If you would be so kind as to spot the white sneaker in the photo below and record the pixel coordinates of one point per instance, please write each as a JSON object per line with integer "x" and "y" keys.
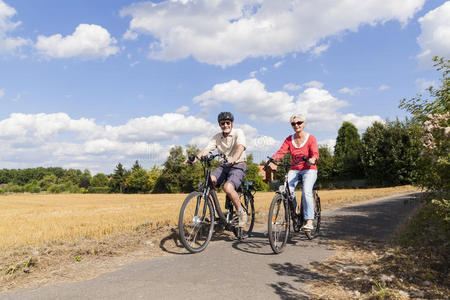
{"x": 242, "y": 218}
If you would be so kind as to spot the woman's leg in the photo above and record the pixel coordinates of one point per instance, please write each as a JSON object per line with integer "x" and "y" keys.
{"x": 309, "y": 178}
{"x": 292, "y": 181}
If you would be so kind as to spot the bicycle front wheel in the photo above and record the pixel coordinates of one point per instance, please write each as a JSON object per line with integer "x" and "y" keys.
{"x": 196, "y": 222}
{"x": 278, "y": 224}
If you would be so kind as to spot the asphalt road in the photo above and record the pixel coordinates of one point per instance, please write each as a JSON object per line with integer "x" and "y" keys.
{"x": 229, "y": 269}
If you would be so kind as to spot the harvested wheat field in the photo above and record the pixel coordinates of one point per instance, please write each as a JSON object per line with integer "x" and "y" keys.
{"x": 29, "y": 219}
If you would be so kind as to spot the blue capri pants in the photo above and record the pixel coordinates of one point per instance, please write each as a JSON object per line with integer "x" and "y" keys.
{"x": 308, "y": 179}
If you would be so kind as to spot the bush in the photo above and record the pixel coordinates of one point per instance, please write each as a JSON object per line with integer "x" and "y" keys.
{"x": 15, "y": 189}
{"x": 55, "y": 188}
{"x": 32, "y": 188}
{"x": 99, "y": 190}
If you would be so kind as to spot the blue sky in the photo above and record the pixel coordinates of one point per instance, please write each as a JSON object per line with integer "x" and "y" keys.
{"x": 86, "y": 84}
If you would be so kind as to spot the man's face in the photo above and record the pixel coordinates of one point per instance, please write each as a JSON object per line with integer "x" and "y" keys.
{"x": 226, "y": 126}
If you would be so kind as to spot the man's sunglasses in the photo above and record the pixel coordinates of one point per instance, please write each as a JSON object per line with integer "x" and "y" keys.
{"x": 225, "y": 123}
{"x": 297, "y": 123}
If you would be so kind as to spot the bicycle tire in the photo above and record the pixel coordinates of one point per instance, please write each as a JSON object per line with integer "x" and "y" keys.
{"x": 247, "y": 203}
{"x": 196, "y": 222}
{"x": 317, "y": 218}
{"x": 278, "y": 224}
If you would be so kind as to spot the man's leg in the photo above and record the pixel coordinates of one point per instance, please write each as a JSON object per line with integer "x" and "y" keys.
{"x": 228, "y": 187}
{"x": 234, "y": 180}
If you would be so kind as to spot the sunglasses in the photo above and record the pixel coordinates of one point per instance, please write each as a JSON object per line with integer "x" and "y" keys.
{"x": 225, "y": 123}
{"x": 298, "y": 123}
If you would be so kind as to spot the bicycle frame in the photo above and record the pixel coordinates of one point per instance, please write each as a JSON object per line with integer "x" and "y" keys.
{"x": 210, "y": 190}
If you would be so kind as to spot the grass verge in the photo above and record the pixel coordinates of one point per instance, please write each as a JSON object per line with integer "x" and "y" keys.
{"x": 415, "y": 264}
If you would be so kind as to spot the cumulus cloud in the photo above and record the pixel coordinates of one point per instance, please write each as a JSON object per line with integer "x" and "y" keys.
{"x": 225, "y": 32}
{"x": 88, "y": 41}
{"x": 435, "y": 36}
{"x": 56, "y": 139}
{"x": 9, "y": 44}
{"x": 251, "y": 98}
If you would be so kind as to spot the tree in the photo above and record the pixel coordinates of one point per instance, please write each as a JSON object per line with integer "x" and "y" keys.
{"x": 432, "y": 115}
{"x": 136, "y": 166}
{"x": 325, "y": 165}
{"x": 85, "y": 179}
{"x": 253, "y": 174}
{"x": 346, "y": 152}
{"x": 389, "y": 153}
{"x": 153, "y": 176}
{"x": 118, "y": 179}
{"x": 99, "y": 180}
{"x": 171, "y": 179}
{"x": 137, "y": 182}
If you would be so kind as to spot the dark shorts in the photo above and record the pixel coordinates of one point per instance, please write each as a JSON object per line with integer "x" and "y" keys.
{"x": 234, "y": 174}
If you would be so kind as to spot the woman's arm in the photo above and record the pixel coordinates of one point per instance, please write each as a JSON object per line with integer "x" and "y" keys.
{"x": 282, "y": 151}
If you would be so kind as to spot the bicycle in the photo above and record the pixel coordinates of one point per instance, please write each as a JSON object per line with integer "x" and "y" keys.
{"x": 282, "y": 211}
{"x": 201, "y": 210}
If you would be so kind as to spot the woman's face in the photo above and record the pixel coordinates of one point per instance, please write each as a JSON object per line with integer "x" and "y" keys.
{"x": 297, "y": 125}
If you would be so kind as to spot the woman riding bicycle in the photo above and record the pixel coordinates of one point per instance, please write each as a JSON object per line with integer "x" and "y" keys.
{"x": 301, "y": 144}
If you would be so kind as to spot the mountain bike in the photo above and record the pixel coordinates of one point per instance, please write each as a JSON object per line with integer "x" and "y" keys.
{"x": 201, "y": 210}
{"x": 282, "y": 211}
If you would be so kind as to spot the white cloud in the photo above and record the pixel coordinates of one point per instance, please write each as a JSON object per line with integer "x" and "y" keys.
{"x": 314, "y": 84}
{"x": 225, "y": 32}
{"x": 278, "y": 64}
{"x": 88, "y": 42}
{"x": 317, "y": 51}
{"x": 250, "y": 97}
{"x": 28, "y": 140}
{"x": 183, "y": 109}
{"x": 57, "y": 139}
{"x": 435, "y": 36}
{"x": 350, "y": 91}
{"x": 291, "y": 87}
{"x": 383, "y": 87}
{"x": 8, "y": 44}
{"x": 130, "y": 35}
{"x": 2, "y": 93}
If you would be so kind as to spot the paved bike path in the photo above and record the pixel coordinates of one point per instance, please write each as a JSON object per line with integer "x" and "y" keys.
{"x": 229, "y": 269}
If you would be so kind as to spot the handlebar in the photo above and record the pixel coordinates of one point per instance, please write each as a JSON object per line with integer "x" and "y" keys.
{"x": 271, "y": 160}
{"x": 207, "y": 158}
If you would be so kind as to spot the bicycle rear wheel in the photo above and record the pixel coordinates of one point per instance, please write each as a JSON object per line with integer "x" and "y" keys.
{"x": 196, "y": 222}
{"x": 278, "y": 224}
{"x": 317, "y": 218}
{"x": 248, "y": 205}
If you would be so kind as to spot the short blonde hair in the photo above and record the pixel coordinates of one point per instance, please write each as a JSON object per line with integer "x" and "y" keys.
{"x": 297, "y": 116}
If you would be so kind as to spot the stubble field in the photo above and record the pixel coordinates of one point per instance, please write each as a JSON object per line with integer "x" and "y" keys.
{"x": 32, "y": 220}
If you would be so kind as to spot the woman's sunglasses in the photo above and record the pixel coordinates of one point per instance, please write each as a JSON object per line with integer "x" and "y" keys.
{"x": 297, "y": 123}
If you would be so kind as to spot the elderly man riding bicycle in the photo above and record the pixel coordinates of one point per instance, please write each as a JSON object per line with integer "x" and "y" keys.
{"x": 231, "y": 142}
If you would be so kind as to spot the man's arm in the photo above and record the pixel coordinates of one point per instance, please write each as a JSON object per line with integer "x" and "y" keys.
{"x": 237, "y": 154}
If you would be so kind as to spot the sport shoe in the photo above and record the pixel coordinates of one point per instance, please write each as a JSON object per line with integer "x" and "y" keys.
{"x": 242, "y": 218}
{"x": 307, "y": 227}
